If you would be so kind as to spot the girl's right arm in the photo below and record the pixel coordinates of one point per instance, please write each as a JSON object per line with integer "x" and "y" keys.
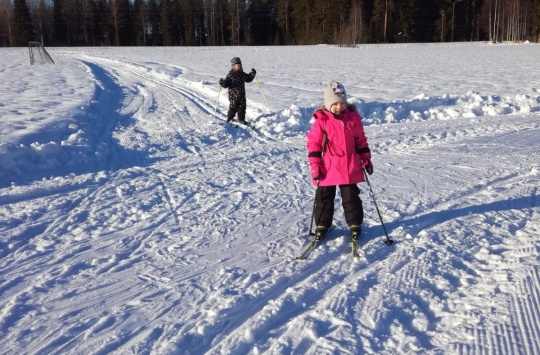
{"x": 314, "y": 138}
{"x": 227, "y": 81}
{"x": 314, "y": 148}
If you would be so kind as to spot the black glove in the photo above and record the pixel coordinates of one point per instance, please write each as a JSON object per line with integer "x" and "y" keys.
{"x": 317, "y": 171}
{"x": 369, "y": 168}
{"x": 253, "y": 71}
{"x": 221, "y": 82}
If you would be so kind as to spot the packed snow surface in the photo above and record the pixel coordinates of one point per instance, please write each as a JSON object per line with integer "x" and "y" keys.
{"x": 134, "y": 221}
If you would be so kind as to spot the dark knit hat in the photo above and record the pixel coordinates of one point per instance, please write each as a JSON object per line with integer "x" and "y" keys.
{"x": 236, "y": 60}
{"x": 334, "y": 93}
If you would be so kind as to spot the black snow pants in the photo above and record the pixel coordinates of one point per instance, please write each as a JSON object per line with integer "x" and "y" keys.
{"x": 237, "y": 105}
{"x": 352, "y": 205}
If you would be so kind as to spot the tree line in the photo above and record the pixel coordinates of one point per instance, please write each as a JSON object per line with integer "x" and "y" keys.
{"x": 264, "y": 22}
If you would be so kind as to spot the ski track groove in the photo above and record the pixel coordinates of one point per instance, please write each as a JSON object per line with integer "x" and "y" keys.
{"x": 315, "y": 299}
{"x": 527, "y": 311}
{"x": 200, "y": 104}
{"x": 55, "y": 228}
{"x": 256, "y": 309}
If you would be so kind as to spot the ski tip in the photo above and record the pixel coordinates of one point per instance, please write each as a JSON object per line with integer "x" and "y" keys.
{"x": 358, "y": 259}
{"x": 239, "y": 125}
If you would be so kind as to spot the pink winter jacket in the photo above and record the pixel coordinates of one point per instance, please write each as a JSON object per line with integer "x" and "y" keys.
{"x": 346, "y": 150}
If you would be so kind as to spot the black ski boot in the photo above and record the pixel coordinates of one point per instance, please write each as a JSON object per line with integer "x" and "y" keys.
{"x": 320, "y": 232}
{"x": 355, "y": 231}
{"x": 230, "y": 116}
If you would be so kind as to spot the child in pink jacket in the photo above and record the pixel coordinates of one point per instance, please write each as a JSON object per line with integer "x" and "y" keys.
{"x": 338, "y": 152}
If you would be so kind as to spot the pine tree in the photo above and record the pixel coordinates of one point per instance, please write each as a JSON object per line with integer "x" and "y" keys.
{"x": 126, "y": 23}
{"x": 102, "y": 28}
{"x": 200, "y": 24}
{"x": 6, "y": 22}
{"x": 261, "y": 22}
{"x": 237, "y": 22}
{"x": 121, "y": 22}
{"x": 211, "y": 23}
{"x": 224, "y": 23}
{"x": 284, "y": 20}
{"x": 382, "y": 19}
{"x": 176, "y": 22}
{"x": 154, "y": 18}
{"x": 68, "y": 22}
{"x": 140, "y": 23}
{"x": 22, "y": 25}
{"x": 88, "y": 18}
{"x": 336, "y": 17}
{"x": 42, "y": 21}
{"x": 404, "y": 25}
{"x": 536, "y": 21}
{"x": 59, "y": 24}
{"x": 189, "y": 18}
{"x": 425, "y": 20}
{"x": 355, "y": 26}
{"x": 166, "y": 23}
{"x": 302, "y": 19}
{"x": 323, "y": 31}
{"x": 115, "y": 19}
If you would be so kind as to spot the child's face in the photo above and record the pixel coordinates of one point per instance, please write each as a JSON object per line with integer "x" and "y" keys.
{"x": 338, "y": 108}
{"x": 237, "y": 67}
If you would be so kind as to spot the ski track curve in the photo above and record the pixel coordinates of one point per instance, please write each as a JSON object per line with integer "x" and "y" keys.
{"x": 140, "y": 255}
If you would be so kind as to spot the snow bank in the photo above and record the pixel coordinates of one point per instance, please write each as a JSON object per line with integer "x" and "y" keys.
{"x": 297, "y": 120}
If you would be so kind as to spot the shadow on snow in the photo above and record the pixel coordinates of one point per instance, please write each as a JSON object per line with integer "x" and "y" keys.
{"x": 59, "y": 150}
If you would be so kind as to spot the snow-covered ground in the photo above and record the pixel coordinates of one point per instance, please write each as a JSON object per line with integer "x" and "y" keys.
{"x": 132, "y": 220}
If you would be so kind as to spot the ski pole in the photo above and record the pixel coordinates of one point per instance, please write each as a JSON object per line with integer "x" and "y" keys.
{"x": 388, "y": 241}
{"x": 313, "y": 210}
{"x": 259, "y": 84}
{"x": 217, "y": 100}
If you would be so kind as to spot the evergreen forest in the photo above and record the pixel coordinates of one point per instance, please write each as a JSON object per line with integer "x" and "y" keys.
{"x": 264, "y": 22}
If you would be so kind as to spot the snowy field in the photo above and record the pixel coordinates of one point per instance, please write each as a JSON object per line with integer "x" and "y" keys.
{"x": 133, "y": 221}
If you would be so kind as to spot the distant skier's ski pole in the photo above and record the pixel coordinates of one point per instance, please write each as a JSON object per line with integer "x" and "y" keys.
{"x": 215, "y": 108}
{"x": 388, "y": 240}
{"x": 259, "y": 84}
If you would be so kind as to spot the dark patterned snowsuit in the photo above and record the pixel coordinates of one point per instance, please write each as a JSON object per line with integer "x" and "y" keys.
{"x": 235, "y": 82}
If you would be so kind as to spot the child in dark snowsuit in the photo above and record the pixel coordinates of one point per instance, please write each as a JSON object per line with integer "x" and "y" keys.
{"x": 338, "y": 152}
{"x": 235, "y": 82}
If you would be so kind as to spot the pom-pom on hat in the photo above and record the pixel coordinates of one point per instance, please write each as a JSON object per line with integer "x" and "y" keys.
{"x": 334, "y": 93}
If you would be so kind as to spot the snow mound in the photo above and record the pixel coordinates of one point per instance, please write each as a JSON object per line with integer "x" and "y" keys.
{"x": 297, "y": 120}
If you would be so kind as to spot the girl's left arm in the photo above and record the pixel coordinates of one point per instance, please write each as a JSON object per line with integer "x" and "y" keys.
{"x": 360, "y": 136}
{"x": 361, "y": 139}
